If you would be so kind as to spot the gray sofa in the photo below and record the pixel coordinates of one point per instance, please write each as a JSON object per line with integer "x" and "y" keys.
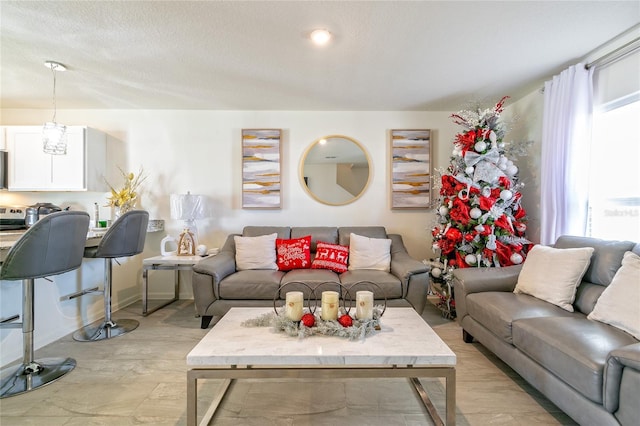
{"x": 588, "y": 369}
{"x": 218, "y": 286}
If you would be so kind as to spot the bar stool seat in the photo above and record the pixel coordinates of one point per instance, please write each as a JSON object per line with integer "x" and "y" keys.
{"x": 52, "y": 246}
{"x": 125, "y": 238}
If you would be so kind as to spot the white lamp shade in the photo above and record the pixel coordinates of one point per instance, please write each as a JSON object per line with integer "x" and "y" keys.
{"x": 54, "y": 138}
{"x": 187, "y": 206}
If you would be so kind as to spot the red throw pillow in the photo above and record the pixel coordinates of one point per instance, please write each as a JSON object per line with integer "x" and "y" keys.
{"x": 293, "y": 254}
{"x": 331, "y": 256}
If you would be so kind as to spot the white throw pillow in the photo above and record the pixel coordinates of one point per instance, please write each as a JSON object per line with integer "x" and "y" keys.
{"x": 369, "y": 253}
{"x": 256, "y": 252}
{"x": 619, "y": 303}
{"x": 553, "y": 274}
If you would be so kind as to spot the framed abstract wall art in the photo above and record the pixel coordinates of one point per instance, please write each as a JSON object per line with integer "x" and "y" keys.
{"x": 411, "y": 169}
{"x": 261, "y": 168}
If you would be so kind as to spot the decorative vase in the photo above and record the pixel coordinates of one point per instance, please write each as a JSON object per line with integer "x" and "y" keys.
{"x": 120, "y": 210}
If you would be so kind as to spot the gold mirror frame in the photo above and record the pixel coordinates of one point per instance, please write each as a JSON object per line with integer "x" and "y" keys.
{"x": 334, "y": 151}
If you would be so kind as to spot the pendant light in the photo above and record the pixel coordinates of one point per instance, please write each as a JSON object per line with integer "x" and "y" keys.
{"x": 54, "y": 135}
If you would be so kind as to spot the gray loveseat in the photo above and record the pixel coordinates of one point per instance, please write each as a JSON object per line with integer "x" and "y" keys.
{"x": 218, "y": 286}
{"x": 589, "y": 369}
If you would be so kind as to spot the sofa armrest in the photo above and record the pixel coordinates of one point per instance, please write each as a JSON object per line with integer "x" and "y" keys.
{"x": 218, "y": 266}
{"x": 221, "y": 265}
{"x": 622, "y": 382}
{"x": 404, "y": 266}
{"x": 476, "y": 280}
{"x": 205, "y": 281}
{"x": 207, "y": 275}
{"x": 413, "y": 274}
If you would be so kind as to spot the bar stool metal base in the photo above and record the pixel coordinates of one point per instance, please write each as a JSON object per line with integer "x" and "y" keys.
{"x": 105, "y": 330}
{"x": 41, "y": 372}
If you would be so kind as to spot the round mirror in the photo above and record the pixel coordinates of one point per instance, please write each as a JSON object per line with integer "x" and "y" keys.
{"x": 334, "y": 170}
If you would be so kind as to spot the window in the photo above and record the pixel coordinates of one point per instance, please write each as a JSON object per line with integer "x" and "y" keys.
{"x": 614, "y": 184}
{"x": 614, "y": 187}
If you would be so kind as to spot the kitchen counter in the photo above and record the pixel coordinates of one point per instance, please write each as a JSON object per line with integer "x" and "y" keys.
{"x": 9, "y": 238}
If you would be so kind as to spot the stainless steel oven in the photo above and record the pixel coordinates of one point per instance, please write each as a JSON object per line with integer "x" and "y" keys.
{"x": 12, "y": 218}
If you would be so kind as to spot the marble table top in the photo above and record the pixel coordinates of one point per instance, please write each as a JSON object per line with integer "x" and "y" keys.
{"x": 405, "y": 339}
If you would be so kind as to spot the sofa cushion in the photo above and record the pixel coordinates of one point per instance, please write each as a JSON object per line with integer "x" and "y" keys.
{"x": 573, "y": 348}
{"x": 587, "y": 295}
{"x": 553, "y": 275}
{"x": 497, "y": 310}
{"x": 256, "y": 252}
{"x": 345, "y": 232}
{"x": 313, "y": 278}
{"x": 283, "y": 232}
{"x": 294, "y": 253}
{"x": 328, "y": 234}
{"x": 387, "y": 284}
{"x": 619, "y": 304}
{"x": 251, "y": 284}
{"x": 369, "y": 253}
{"x": 606, "y": 258}
{"x": 331, "y": 256}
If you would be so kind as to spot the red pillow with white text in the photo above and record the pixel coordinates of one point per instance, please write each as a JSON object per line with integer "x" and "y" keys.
{"x": 294, "y": 253}
{"x": 331, "y": 256}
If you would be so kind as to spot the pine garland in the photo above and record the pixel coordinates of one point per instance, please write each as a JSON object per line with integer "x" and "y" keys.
{"x": 358, "y": 331}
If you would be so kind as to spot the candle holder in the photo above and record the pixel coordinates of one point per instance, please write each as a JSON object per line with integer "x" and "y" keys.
{"x": 312, "y": 324}
{"x": 344, "y": 295}
{"x": 276, "y": 297}
{"x": 367, "y": 283}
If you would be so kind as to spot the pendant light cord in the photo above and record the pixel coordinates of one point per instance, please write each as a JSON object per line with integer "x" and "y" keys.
{"x": 53, "y": 70}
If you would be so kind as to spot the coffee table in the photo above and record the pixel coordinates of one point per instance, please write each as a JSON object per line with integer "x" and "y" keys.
{"x": 405, "y": 347}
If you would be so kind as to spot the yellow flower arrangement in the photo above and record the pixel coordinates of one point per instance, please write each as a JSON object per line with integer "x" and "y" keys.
{"x": 125, "y": 198}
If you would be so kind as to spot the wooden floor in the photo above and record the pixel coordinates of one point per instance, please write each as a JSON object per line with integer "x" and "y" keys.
{"x": 140, "y": 379}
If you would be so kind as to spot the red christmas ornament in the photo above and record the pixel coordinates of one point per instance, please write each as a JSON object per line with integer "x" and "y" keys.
{"x": 308, "y": 320}
{"x": 345, "y": 321}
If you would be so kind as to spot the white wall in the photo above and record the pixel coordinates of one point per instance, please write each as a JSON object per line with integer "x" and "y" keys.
{"x": 200, "y": 151}
{"x": 525, "y": 117}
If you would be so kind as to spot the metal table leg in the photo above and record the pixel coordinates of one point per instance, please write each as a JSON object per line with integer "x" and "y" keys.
{"x": 145, "y": 285}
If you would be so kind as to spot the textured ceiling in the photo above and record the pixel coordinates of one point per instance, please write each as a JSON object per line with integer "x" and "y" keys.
{"x": 233, "y": 55}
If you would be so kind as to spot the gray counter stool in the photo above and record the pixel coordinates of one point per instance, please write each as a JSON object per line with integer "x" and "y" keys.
{"x": 124, "y": 238}
{"x": 52, "y": 246}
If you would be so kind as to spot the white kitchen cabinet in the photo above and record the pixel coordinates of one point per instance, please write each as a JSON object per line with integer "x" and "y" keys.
{"x": 81, "y": 169}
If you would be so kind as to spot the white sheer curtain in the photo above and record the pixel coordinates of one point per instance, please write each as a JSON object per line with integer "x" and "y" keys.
{"x": 566, "y": 134}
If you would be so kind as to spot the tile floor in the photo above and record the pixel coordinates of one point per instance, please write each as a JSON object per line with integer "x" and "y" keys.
{"x": 140, "y": 379}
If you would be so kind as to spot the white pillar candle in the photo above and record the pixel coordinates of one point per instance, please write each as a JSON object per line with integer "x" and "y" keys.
{"x": 364, "y": 305}
{"x": 329, "y": 310}
{"x": 294, "y": 303}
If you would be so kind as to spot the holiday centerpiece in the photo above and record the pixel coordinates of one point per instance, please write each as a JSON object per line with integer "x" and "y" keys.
{"x": 296, "y": 320}
{"x": 480, "y": 221}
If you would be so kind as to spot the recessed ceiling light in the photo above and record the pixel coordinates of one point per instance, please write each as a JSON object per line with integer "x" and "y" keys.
{"x": 320, "y": 37}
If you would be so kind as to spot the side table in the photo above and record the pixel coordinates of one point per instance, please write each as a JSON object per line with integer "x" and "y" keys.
{"x": 165, "y": 263}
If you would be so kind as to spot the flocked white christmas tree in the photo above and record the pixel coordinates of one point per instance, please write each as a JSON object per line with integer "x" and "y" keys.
{"x": 480, "y": 221}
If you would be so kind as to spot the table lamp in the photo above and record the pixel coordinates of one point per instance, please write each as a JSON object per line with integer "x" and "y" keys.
{"x": 189, "y": 208}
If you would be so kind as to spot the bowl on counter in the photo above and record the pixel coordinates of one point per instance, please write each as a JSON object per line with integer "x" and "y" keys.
{"x": 155, "y": 225}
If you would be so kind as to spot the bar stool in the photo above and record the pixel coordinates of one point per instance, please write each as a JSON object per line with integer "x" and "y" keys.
{"x": 124, "y": 238}
{"x": 52, "y": 246}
